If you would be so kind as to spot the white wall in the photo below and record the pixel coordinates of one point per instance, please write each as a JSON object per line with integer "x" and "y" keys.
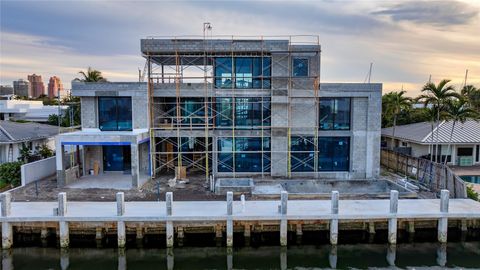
{"x": 38, "y": 170}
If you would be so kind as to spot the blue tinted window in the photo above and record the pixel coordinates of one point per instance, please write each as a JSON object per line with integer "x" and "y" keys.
{"x": 248, "y": 157}
{"x": 248, "y": 112}
{"x": 114, "y": 113}
{"x": 223, "y": 72}
{"x": 333, "y": 153}
{"x": 302, "y": 157}
{"x": 334, "y": 113}
{"x": 243, "y": 72}
{"x": 300, "y": 67}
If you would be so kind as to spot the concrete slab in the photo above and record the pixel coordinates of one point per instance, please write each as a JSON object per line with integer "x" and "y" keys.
{"x": 107, "y": 180}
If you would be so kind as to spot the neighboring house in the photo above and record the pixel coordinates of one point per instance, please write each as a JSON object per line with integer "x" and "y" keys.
{"x": 13, "y": 135}
{"x": 228, "y": 108}
{"x": 417, "y": 140}
{"x": 28, "y": 110}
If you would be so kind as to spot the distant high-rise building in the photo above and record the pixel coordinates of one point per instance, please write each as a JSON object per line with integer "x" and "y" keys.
{"x": 55, "y": 87}
{"x": 37, "y": 86}
{"x": 6, "y": 90}
{"x": 22, "y": 88}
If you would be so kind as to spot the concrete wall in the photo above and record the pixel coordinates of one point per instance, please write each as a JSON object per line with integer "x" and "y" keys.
{"x": 89, "y": 112}
{"x": 37, "y": 170}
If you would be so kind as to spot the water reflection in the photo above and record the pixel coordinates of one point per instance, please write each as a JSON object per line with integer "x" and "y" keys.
{"x": 464, "y": 255}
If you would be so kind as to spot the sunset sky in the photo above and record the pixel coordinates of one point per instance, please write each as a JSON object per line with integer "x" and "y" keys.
{"x": 406, "y": 40}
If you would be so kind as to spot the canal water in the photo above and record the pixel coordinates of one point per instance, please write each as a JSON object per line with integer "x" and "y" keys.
{"x": 312, "y": 251}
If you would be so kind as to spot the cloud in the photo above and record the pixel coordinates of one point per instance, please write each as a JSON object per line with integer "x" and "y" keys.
{"x": 435, "y": 13}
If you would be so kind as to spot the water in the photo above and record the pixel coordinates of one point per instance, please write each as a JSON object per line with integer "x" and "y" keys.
{"x": 460, "y": 255}
{"x": 471, "y": 178}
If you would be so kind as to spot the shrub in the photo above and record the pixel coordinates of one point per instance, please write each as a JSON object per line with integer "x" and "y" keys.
{"x": 10, "y": 173}
{"x": 472, "y": 194}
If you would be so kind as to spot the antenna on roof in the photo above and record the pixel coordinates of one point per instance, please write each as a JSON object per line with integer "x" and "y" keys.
{"x": 465, "y": 81}
{"x": 430, "y": 78}
{"x": 369, "y": 74}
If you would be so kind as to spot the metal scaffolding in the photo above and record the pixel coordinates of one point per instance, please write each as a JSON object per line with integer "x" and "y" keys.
{"x": 184, "y": 106}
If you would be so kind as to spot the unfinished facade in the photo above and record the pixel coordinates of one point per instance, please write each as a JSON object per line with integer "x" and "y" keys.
{"x": 241, "y": 107}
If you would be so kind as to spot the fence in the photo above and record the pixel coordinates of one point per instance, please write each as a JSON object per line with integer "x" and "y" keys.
{"x": 38, "y": 170}
{"x": 432, "y": 175}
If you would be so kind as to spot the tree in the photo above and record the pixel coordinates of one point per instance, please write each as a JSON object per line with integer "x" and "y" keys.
{"x": 437, "y": 96}
{"x": 92, "y": 75}
{"x": 25, "y": 154}
{"x": 43, "y": 151}
{"x": 395, "y": 102}
{"x": 472, "y": 94}
{"x": 458, "y": 111}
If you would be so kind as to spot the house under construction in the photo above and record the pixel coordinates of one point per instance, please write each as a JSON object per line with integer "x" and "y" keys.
{"x": 228, "y": 107}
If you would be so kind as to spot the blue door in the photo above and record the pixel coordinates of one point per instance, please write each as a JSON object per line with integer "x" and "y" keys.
{"x": 113, "y": 158}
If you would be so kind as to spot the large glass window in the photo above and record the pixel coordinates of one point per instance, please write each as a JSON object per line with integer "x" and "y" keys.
{"x": 302, "y": 156}
{"x": 246, "y": 113}
{"x": 115, "y": 113}
{"x": 334, "y": 114}
{"x": 249, "y": 72}
{"x": 333, "y": 153}
{"x": 245, "y": 152}
{"x": 300, "y": 67}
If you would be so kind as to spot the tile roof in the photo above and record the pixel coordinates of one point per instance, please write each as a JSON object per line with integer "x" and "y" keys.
{"x": 468, "y": 132}
{"x": 18, "y": 132}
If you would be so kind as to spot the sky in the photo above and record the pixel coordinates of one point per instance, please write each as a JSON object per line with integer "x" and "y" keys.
{"x": 407, "y": 41}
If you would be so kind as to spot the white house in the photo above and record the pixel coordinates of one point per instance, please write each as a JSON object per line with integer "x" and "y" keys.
{"x": 13, "y": 135}
{"x": 28, "y": 110}
{"x": 417, "y": 140}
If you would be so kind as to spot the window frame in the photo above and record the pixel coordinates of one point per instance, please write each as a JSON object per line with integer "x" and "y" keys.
{"x": 334, "y": 114}
{"x": 332, "y": 157}
{"x": 263, "y": 80}
{"x": 117, "y": 111}
{"x": 308, "y": 67}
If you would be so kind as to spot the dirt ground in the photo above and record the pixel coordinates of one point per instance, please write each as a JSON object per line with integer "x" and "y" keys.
{"x": 47, "y": 190}
{"x": 195, "y": 190}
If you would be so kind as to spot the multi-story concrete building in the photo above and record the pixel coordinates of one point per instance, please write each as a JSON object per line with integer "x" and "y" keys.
{"x": 6, "y": 90}
{"x": 55, "y": 87}
{"x": 230, "y": 108}
{"x": 36, "y": 85}
{"x": 21, "y": 88}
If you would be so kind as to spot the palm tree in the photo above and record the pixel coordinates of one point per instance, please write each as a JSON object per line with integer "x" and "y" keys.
{"x": 92, "y": 75}
{"x": 473, "y": 95}
{"x": 458, "y": 111}
{"x": 396, "y": 102}
{"x": 437, "y": 96}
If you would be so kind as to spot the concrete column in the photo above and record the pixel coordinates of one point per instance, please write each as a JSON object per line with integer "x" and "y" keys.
{"x": 98, "y": 233}
{"x": 229, "y": 258}
{"x": 43, "y": 233}
{"x": 60, "y": 163}
{"x": 139, "y": 233}
{"x": 283, "y": 220}
{"x": 64, "y": 234}
{"x": 442, "y": 254}
{"x": 392, "y": 222}
{"x": 62, "y": 204}
{"x": 180, "y": 233}
{"x": 229, "y": 219}
{"x": 463, "y": 225}
{"x": 334, "y": 221}
{"x": 443, "y": 222}
{"x": 411, "y": 226}
{"x": 218, "y": 231}
{"x": 247, "y": 231}
{"x": 371, "y": 227}
{"x": 7, "y": 231}
{"x": 135, "y": 168}
{"x": 121, "y": 230}
{"x": 63, "y": 225}
{"x": 120, "y": 196}
{"x": 169, "y": 225}
{"x": 299, "y": 231}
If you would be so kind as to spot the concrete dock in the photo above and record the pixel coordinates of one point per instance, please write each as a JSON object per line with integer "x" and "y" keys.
{"x": 170, "y": 217}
